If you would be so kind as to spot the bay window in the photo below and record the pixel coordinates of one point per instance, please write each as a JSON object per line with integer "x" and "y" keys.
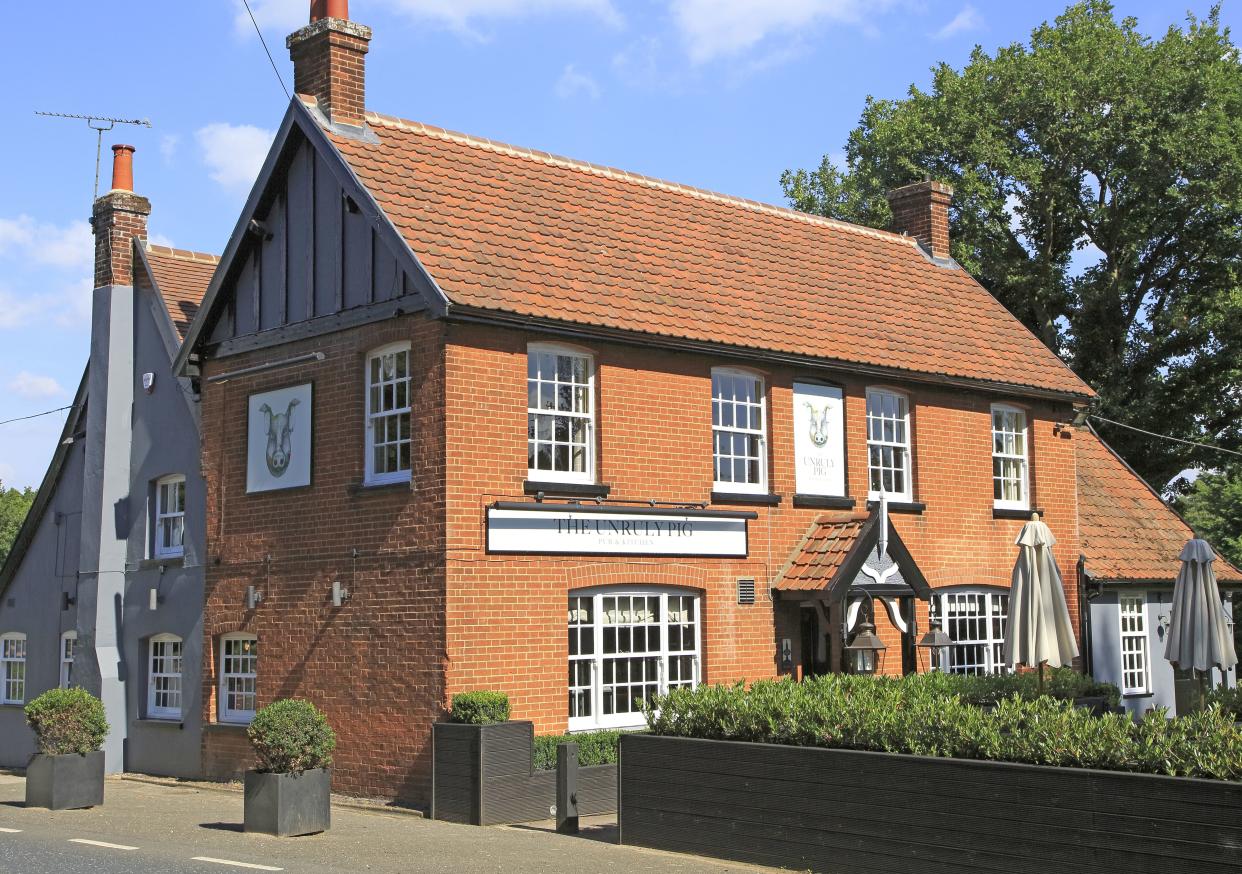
{"x": 388, "y": 441}
{"x": 239, "y": 661}
{"x": 164, "y": 677}
{"x": 625, "y": 646}
{"x": 1135, "y": 671}
{"x": 1010, "y": 478}
{"x": 888, "y": 445}
{"x": 974, "y": 619}
{"x": 12, "y": 668}
{"x": 739, "y": 429}
{"x": 560, "y": 415}
{"x": 169, "y": 517}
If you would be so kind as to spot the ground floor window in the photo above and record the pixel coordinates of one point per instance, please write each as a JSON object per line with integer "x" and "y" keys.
{"x": 13, "y": 668}
{"x": 974, "y": 619}
{"x": 68, "y": 641}
{"x": 239, "y": 665}
{"x": 164, "y": 677}
{"x": 626, "y": 645}
{"x": 1135, "y": 676}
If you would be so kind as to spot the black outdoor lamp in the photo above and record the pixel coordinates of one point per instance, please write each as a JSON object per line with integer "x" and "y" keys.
{"x": 864, "y": 649}
{"x": 935, "y": 640}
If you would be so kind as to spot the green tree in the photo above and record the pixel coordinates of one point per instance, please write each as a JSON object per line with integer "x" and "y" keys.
{"x": 14, "y": 504}
{"x": 1098, "y": 195}
{"x": 1213, "y": 507}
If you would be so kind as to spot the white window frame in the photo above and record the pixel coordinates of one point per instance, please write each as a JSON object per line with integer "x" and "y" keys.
{"x": 373, "y": 416}
{"x": 161, "y": 548}
{"x": 1022, "y": 458}
{"x": 68, "y": 642}
{"x": 759, "y": 434}
{"x": 874, "y": 394}
{"x": 226, "y": 713}
{"x": 1132, "y": 641}
{"x": 947, "y": 609}
{"x": 158, "y": 711}
{"x": 535, "y": 412}
{"x": 597, "y": 657}
{"x": 13, "y": 668}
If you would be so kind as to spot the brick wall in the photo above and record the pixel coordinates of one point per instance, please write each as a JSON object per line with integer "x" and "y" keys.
{"x": 118, "y": 217}
{"x": 375, "y": 665}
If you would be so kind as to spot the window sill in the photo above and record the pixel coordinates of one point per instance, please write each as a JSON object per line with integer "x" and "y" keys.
{"x": 914, "y": 507}
{"x": 824, "y": 502}
{"x": 363, "y": 488}
{"x": 165, "y": 561}
{"x": 1015, "y": 512}
{"x": 1134, "y": 696}
{"x": 226, "y": 726}
{"x": 770, "y": 500}
{"x": 568, "y": 490}
{"x": 156, "y": 720}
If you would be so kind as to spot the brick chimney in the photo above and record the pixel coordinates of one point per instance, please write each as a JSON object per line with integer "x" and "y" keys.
{"x": 922, "y": 211}
{"x": 329, "y": 61}
{"x": 118, "y": 217}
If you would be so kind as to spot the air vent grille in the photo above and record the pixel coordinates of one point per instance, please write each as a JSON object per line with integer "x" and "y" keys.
{"x": 746, "y": 591}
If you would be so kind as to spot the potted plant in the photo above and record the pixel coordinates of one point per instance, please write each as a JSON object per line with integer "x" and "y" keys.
{"x": 290, "y": 790}
{"x": 478, "y": 748}
{"x": 68, "y": 771}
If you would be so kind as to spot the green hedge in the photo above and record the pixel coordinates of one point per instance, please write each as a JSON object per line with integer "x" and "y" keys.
{"x": 1228, "y": 700}
{"x": 290, "y": 736}
{"x": 1063, "y": 683}
{"x": 67, "y": 721}
{"x": 594, "y": 748}
{"x": 479, "y": 708}
{"x": 922, "y": 715}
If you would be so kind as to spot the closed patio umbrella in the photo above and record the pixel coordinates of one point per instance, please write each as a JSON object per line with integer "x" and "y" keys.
{"x": 1039, "y": 630}
{"x": 1199, "y": 636}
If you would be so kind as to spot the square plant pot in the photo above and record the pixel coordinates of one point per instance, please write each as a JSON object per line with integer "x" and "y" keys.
{"x": 65, "y": 782}
{"x": 288, "y": 804}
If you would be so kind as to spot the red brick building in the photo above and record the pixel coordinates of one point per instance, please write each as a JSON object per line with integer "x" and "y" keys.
{"x": 476, "y": 416}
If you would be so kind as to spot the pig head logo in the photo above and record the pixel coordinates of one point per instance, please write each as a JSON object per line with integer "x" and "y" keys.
{"x": 819, "y": 424}
{"x": 279, "y": 438}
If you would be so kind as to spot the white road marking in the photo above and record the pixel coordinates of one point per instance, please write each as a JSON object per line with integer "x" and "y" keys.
{"x": 237, "y": 864}
{"x": 104, "y": 844}
{"x": 10, "y": 831}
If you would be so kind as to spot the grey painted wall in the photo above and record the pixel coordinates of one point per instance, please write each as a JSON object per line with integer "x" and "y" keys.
{"x": 32, "y": 603}
{"x": 1106, "y": 648}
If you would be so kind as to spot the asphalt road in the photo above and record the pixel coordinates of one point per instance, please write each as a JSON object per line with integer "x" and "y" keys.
{"x": 177, "y": 828}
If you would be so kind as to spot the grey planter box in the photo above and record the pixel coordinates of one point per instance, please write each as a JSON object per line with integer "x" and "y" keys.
{"x": 65, "y": 782}
{"x": 841, "y": 810}
{"x": 484, "y": 775}
{"x": 288, "y": 804}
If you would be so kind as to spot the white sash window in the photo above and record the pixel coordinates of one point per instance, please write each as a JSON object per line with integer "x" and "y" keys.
{"x": 888, "y": 445}
{"x": 560, "y": 415}
{"x": 169, "y": 517}
{"x": 13, "y": 668}
{"x": 239, "y": 663}
{"x": 739, "y": 429}
{"x": 1135, "y": 671}
{"x": 388, "y": 415}
{"x": 68, "y": 641}
{"x": 1010, "y": 489}
{"x": 164, "y": 677}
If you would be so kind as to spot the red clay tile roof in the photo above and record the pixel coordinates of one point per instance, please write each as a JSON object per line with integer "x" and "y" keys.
{"x": 182, "y": 277}
{"x": 822, "y": 552}
{"x": 1127, "y": 532}
{"x": 532, "y": 234}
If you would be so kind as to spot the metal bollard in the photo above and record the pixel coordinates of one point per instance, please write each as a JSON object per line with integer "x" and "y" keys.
{"x": 567, "y": 788}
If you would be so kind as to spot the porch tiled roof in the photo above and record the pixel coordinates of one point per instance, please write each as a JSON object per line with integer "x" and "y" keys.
{"x": 1127, "y": 531}
{"x": 531, "y": 234}
{"x": 821, "y": 553}
{"x": 182, "y": 277}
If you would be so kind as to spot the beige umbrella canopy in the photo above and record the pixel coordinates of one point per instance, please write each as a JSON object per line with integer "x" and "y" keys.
{"x": 1039, "y": 630}
{"x": 1199, "y": 635}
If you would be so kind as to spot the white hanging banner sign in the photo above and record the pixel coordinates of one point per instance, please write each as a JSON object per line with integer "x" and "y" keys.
{"x": 819, "y": 439}
{"x": 620, "y": 533}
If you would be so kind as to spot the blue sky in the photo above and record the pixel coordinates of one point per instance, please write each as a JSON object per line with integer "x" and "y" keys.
{"x": 722, "y": 94}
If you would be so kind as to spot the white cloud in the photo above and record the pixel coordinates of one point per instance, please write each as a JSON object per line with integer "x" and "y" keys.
{"x": 67, "y": 305}
{"x": 32, "y": 385}
{"x": 168, "y": 145}
{"x": 234, "y": 153}
{"x": 966, "y": 20}
{"x": 157, "y": 239}
{"x": 69, "y": 246}
{"x": 721, "y": 28}
{"x": 573, "y": 83}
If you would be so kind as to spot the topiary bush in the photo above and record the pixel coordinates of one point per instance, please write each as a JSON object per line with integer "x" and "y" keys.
{"x": 594, "y": 748}
{"x": 923, "y": 714}
{"x": 67, "y": 721}
{"x": 479, "y": 708}
{"x": 291, "y": 736}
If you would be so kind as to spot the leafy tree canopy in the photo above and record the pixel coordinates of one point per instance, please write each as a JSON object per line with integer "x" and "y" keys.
{"x": 14, "y": 505}
{"x": 1213, "y": 507}
{"x": 1093, "y": 145}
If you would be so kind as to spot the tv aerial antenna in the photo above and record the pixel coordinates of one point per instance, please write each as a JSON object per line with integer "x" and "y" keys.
{"x": 99, "y": 124}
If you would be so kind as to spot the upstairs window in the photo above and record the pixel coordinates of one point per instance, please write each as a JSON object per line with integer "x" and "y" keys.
{"x": 170, "y": 517}
{"x": 164, "y": 677}
{"x": 888, "y": 444}
{"x": 560, "y": 411}
{"x": 388, "y": 415}
{"x": 239, "y": 677}
{"x": 1009, "y": 467}
{"x": 1135, "y": 673}
{"x": 13, "y": 668}
{"x": 739, "y": 428}
{"x": 68, "y": 641}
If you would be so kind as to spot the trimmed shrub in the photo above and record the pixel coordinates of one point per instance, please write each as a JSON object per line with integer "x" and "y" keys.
{"x": 1062, "y": 683}
{"x": 594, "y": 748}
{"x": 291, "y": 736}
{"x": 924, "y": 715}
{"x": 67, "y": 721}
{"x": 1228, "y": 700}
{"x": 479, "y": 708}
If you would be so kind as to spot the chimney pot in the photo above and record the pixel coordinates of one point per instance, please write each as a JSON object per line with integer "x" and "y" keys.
{"x": 921, "y": 210}
{"x": 329, "y": 9}
{"x": 122, "y": 168}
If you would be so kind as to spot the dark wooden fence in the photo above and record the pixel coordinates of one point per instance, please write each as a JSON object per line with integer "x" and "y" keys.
{"x": 840, "y": 810}
{"x": 484, "y": 775}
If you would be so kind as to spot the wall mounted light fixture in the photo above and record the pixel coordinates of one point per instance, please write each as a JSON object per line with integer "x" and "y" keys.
{"x": 253, "y": 597}
{"x": 340, "y": 594}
